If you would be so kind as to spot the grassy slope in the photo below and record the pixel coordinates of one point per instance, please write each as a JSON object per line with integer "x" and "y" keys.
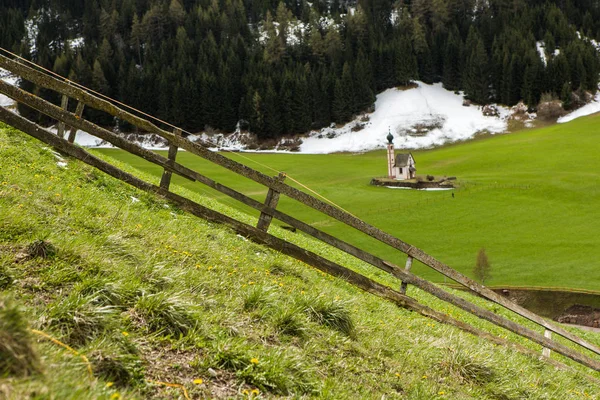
{"x": 148, "y": 292}
{"x": 528, "y": 198}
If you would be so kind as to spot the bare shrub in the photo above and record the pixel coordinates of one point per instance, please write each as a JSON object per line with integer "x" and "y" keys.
{"x": 357, "y": 128}
{"x": 550, "y": 107}
{"x": 482, "y": 266}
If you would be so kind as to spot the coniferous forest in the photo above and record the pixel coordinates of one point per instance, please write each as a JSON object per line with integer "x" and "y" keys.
{"x": 280, "y": 67}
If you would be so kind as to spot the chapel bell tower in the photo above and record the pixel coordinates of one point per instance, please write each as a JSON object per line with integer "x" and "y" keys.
{"x": 390, "y": 156}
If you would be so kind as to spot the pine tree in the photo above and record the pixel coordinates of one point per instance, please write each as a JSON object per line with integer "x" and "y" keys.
{"x": 363, "y": 83}
{"x": 476, "y": 72}
{"x": 565, "y": 96}
{"x": 273, "y": 126}
{"x": 453, "y": 60}
{"x": 343, "y": 98}
{"x": 406, "y": 62}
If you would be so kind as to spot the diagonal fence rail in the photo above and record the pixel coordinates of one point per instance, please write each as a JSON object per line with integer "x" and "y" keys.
{"x": 276, "y": 187}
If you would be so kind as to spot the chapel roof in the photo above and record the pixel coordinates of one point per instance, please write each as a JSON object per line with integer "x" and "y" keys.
{"x": 402, "y": 160}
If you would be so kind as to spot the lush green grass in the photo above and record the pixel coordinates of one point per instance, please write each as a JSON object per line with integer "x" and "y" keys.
{"x": 149, "y": 293}
{"x": 529, "y": 198}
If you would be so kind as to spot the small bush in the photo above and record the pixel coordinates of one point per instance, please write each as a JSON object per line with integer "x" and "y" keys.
{"x": 482, "y": 266}
{"x": 164, "y": 314}
{"x": 17, "y": 357}
{"x": 331, "y": 313}
{"x": 550, "y": 108}
{"x": 430, "y": 178}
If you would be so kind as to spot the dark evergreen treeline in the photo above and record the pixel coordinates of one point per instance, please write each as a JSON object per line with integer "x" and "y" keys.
{"x": 286, "y": 67}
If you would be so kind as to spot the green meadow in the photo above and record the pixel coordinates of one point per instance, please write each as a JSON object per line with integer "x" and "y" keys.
{"x": 529, "y": 198}
{"x": 152, "y": 296}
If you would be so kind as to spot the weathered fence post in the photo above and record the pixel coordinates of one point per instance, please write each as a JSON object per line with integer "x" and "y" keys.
{"x": 404, "y": 285}
{"x": 271, "y": 201}
{"x": 545, "y": 350}
{"x": 165, "y": 180}
{"x": 78, "y": 113}
{"x": 61, "y": 125}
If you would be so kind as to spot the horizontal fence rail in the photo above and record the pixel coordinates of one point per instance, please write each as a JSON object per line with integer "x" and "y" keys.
{"x": 276, "y": 187}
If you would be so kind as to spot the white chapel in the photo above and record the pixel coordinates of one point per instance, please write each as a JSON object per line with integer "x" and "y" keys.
{"x": 400, "y": 166}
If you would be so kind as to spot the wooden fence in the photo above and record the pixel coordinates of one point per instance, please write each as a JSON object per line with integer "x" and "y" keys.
{"x": 268, "y": 210}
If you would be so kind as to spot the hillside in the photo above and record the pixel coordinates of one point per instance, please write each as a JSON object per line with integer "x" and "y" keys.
{"x": 526, "y": 197}
{"x": 150, "y": 294}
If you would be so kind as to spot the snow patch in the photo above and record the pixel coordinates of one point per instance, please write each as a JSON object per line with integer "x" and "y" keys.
{"x": 295, "y": 32}
{"x": 7, "y": 77}
{"x": 424, "y": 189}
{"x": 76, "y": 43}
{"x": 423, "y": 117}
{"x": 541, "y": 51}
{"x": 590, "y": 108}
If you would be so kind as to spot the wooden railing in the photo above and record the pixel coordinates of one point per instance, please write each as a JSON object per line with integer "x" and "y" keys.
{"x": 268, "y": 210}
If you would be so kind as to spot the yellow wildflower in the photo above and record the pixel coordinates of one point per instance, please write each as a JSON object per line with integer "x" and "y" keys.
{"x": 198, "y": 381}
{"x": 115, "y": 396}
{"x": 125, "y": 333}
{"x": 109, "y": 384}
{"x": 397, "y": 374}
{"x": 255, "y": 391}
{"x": 254, "y": 360}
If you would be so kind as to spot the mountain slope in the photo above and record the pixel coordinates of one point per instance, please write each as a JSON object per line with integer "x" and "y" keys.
{"x": 151, "y": 294}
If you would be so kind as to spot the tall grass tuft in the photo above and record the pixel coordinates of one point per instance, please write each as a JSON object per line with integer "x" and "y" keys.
{"x": 255, "y": 298}
{"x": 273, "y": 371}
{"x": 40, "y": 248}
{"x": 17, "y": 356}
{"x": 79, "y": 318}
{"x": 464, "y": 365}
{"x": 121, "y": 369}
{"x": 104, "y": 293}
{"x": 164, "y": 313}
{"x": 5, "y": 278}
{"x": 289, "y": 322}
{"x": 331, "y": 313}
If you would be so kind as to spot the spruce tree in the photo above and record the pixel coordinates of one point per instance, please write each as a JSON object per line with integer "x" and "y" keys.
{"x": 476, "y": 73}
{"x": 406, "y": 62}
{"x": 453, "y": 60}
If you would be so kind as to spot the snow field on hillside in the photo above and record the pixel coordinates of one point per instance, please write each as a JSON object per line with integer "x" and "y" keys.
{"x": 588, "y": 109}
{"x": 423, "y": 117}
